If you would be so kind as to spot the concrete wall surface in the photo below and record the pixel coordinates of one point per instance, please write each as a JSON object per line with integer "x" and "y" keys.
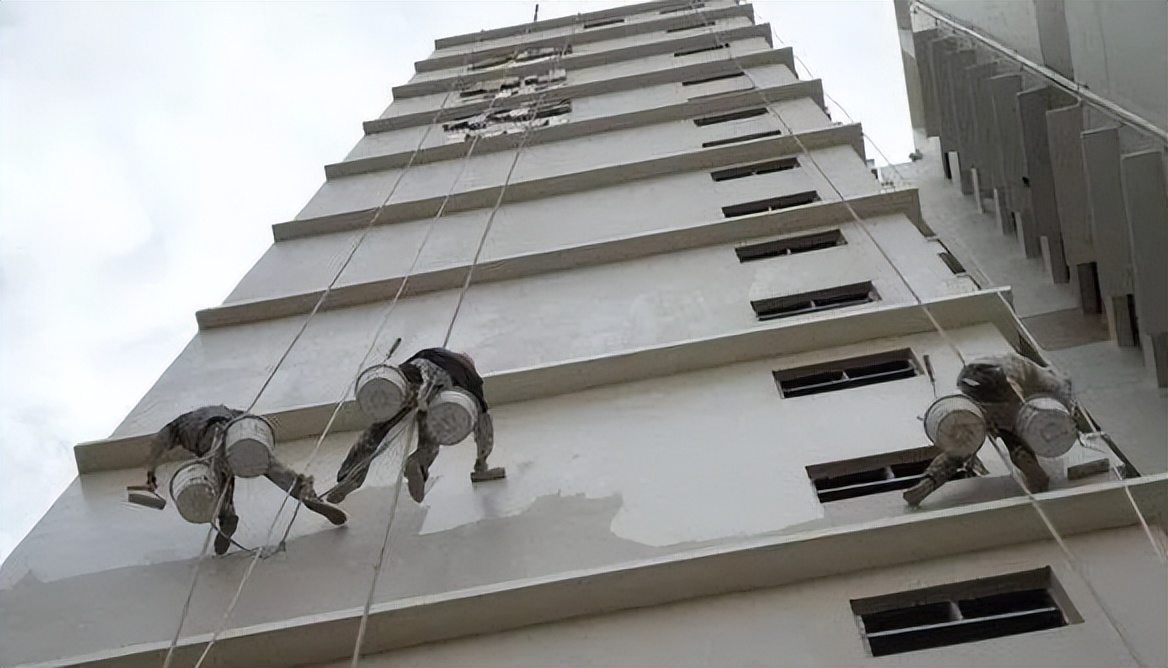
{"x": 594, "y": 75}
{"x": 646, "y": 468}
{"x": 543, "y": 319}
{"x": 592, "y": 107}
{"x": 812, "y": 624}
{"x": 566, "y": 26}
{"x": 541, "y": 161}
{"x": 607, "y": 46}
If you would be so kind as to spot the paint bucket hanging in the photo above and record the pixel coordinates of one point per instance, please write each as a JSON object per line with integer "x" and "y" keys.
{"x": 382, "y": 391}
{"x": 1046, "y": 425}
{"x": 451, "y": 416}
{"x": 956, "y": 425}
{"x": 195, "y": 492}
{"x": 249, "y": 440}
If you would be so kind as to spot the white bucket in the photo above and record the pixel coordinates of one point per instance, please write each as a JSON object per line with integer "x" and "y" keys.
{"x": 249, "y": 440}
{"x": 195, "y": 492}
{"x": 381, "y": 392}
{"x": 452, "y": 416}
{"x": 1046, "y": 425}
{"x": 956, "y": 425}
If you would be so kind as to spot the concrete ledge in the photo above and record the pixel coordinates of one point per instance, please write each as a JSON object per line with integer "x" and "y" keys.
{"x": 666, "y": 22}
{"x": 617, "y": 249}
{"x": 600, "y": 177}
{"x": 674, "y": 74}
{"x": 515, "y": 385}
{"x": 547, "y": 24}
{"x": 729, "y": 568}
{"x": 733, "y": 101}
{"x": 585, "y": 60}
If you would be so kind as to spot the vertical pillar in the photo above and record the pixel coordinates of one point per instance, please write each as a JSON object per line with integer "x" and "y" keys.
{"x": 1109, "y": 230}
{"x": 982, "y": 117}
{"x": 958, "y": 97}
{"x": 1063, "y": 128}
{"x": 1032, "y": 108}
{"x": 1145, "y": 197}
{"x": 921, "y": 41}
{"x": 1004, "y": 89}
{"x": 940, "y": 51}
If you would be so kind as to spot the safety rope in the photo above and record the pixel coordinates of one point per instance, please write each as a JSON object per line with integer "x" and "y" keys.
{"x": 1071, "y": 560}
{"x": 316, "y": 308}
{"x": 401, "y": 288}
{"x": 527, "y": 131}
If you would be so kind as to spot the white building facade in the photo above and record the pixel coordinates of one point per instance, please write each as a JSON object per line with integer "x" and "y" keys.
{"x": 708, "y": 334}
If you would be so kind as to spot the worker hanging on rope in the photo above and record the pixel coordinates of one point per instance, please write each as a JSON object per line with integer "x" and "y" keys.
{"x": 1031, "y": 408}
{"x": 205, "y": 433}
{"x": 430, "y": 374}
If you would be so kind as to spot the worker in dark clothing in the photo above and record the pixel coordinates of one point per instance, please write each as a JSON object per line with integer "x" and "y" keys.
{"x": 1000, "y": 384}
{"x": 200, "y": 432}
{"x": 429, "y": 371}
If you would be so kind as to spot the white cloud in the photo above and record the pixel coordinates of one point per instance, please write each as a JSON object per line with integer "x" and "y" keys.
{"x": 146, "y": 148}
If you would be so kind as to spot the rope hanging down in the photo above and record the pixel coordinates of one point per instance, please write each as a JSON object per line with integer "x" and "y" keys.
{"x": 267, "y": 381}
{"x": 454, "y": 316}
{"x": 1069, "y": 557}
{"x": 401, "y": 288}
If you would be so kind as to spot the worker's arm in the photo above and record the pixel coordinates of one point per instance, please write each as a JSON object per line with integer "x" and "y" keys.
{"x": 159, "y": 446}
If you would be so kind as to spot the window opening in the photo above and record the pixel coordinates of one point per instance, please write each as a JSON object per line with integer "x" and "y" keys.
{"x": 771, "y": 204}
{"x": 741, "y": 139}
{"x": 952, "y": 262}
{"x": 962, "y": 612}
{"x": 757, "y": 169}
{"x": 790, "y": 246}
{"x": 815, "y": 301}
{"x": 602, "y": 23}
{"x": 695, "y": 26}
{"x": 716, "y": 77}
{"x": 888, "y": 472}
{"x": 703, "y": 49}
{"x": 726, "y": 118}
{"x": 846, "y": 373}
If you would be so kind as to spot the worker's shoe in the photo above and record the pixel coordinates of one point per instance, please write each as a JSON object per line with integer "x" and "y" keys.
{"x": 347, "y": 484}
{"x": 330, "y": 512}
{"x": 227, "y": 527}
{"x": 415, "y": 479}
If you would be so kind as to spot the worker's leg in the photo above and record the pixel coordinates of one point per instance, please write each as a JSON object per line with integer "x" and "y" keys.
{"x": 1025, "y": 460}
{"x": 299, "y": 487}
{"x": 353, "y": 470}
{"x": 941, "y": 470}
{"x": 227, "y": 519}
{"x": 417, "y": 470}
{"x": 484, "y": 433}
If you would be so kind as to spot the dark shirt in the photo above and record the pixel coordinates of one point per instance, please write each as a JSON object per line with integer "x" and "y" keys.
{"x": 463, "y": 375}
{"x": 188, "y": 430}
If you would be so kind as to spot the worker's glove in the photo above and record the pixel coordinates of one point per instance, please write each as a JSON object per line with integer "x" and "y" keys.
{"x": 152, "y": 481}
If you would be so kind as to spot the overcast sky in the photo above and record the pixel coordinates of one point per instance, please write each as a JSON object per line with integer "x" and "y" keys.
{"x": 146, "y": 148}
